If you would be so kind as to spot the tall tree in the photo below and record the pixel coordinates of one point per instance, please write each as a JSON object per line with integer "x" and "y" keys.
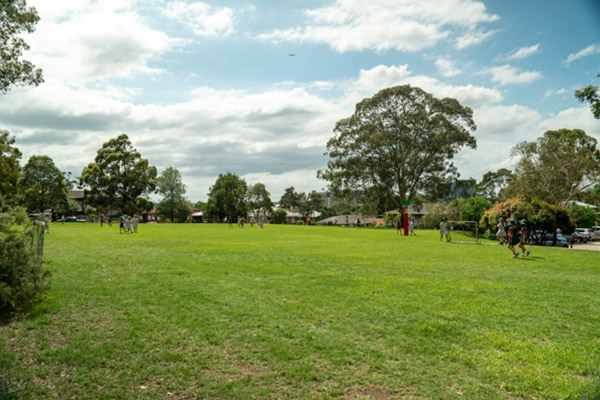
{"x": 9, "y": 166}
{"x": 43, "y": 185}
{"x": 170, "y": 185}
{"x": 590, "y": 94}
{"x": 289, "y": 199}
{"x": 227, "y": 197}
{"x": 259, "y": 200}
{"x": 118, "y": 176}
{"x": 557, "y": 167}
{"x": 492, "y": 183}
{"x": 309, "y": 203}
{"x": 15, "y": 18}
{"x": 399, "y": 141}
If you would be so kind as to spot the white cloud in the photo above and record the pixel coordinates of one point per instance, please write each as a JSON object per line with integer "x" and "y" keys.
{"x": 408, "y": 25}
{"x": 588, "y": 51}
{"x": 202, "y": 18}
{"x": 507, "y": 74}
{"x": 99, "y": 41}
{"x": 524, "y": 52}
{"x": 380, "y": 77}
{"x": 572, "y": 118}
{"x": 515, "y": 122}
{"x": 447, "y": 67}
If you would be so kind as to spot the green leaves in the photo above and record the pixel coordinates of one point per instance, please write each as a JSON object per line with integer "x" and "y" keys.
{"x": 15, "y": 18}
{"x": 118, "y": 176}
{"x": 397, "y": 142}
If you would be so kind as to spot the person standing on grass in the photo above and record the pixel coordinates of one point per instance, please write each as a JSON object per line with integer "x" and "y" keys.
{"x": 397, "y": 226}
{"x": 523, "y": 236}
{"x": 444, "y": 229}
{"x": 411, "y": 227}
{"x": 135, "y": 223}
{"x": 357, "y": 223}
{"x": 121, "y": 225}
{"x": 513, "y": 237}
{"x": 501, "y": 233}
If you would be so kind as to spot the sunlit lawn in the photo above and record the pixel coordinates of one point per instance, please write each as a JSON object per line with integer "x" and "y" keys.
{"x": 294, "y": 312}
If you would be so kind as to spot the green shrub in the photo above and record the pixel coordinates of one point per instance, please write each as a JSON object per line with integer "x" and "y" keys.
{"x": 279, "y": 217}
{"x": 22, "y": 276}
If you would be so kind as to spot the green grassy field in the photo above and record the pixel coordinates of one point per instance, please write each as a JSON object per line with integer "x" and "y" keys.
{"x": 294, "y": 312}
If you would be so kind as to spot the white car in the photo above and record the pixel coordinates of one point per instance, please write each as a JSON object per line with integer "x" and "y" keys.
{"x": 586, "y": 232}
{"x": 596, "y": 232}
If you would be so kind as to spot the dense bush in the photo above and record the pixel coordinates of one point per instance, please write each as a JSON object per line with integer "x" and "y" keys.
{"x": 583, "y": 217}
{"x": 542, "y": 218}
{"x": 22, "y": 276}
{"x": 433, "y": 217}
{"x": 279, "y": 217}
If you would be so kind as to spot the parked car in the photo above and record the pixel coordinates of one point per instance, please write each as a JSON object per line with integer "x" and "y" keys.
{"x": 585, "y": 232}
{"x": 596, "y": 232}
{"x": 561, "y": 240}
{"x": 71, "y": 219}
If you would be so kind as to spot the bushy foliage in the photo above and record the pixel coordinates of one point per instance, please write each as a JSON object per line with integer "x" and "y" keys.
{"x": 542, "y": 218}
{"x": 582, "y": 216}
{"x": 433, "y": 217}
{"x": 279, "y": 217}
{"x": 474, "y": 208}
{"x": 22, "y": 276}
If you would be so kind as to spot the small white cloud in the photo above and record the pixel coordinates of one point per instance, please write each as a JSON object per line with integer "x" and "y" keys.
{"x": 507, "y": 74}
{"x": 473, "y": 38}
{"x": 524, "y": 52}
{"x": 447, "y": 67}
{"x": 202, "y": 18}
{"x": 588, "y": 51}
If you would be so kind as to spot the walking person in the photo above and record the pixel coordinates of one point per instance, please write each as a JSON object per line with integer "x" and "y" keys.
{"x": 501, "y": 232}
{"x": 513, "y": 237}
{"x": 444, "y": 229}
{"x": 411, "y": 227}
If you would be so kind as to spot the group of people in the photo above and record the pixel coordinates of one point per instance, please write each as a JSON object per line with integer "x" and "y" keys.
{"x": 412, "y": 225}
{"x": 126, "y": 223}
{"x": 513, "y": 233}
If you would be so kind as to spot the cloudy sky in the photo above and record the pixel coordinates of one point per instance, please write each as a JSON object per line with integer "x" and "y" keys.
{"x": 255, "y": 86}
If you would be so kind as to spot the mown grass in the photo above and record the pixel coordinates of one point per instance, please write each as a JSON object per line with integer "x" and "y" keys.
{"x": 207, "y": 311}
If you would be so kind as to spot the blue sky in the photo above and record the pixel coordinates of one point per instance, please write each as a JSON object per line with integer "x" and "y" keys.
{"x": 210, "y": 87}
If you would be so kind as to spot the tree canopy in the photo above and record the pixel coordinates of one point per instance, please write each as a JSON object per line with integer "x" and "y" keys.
{"x": 591, "y": 94}
{"x": 557, "y": 167}
{"x": 43, "y": 185}
{"x": 170, "y": 185}
{"x": 542, "y": 218}
{"x": 398, "y": 143}
{"x": 289, "y": 199}
{"x": 9, "y": 166}
{"x": 227, "y": 197}
{"x": 15, "y": 18}
{"x": 118, "y": 176}
{"x": 259, "y": 200}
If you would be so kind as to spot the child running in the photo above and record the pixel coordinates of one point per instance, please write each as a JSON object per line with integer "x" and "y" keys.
{"x": 523, "y": 231}
{"x": 513, "y": 237}
{"x": 501, "y": 233}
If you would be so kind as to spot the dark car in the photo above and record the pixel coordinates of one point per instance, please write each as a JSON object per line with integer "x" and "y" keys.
{"x": 561, "y": 240}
